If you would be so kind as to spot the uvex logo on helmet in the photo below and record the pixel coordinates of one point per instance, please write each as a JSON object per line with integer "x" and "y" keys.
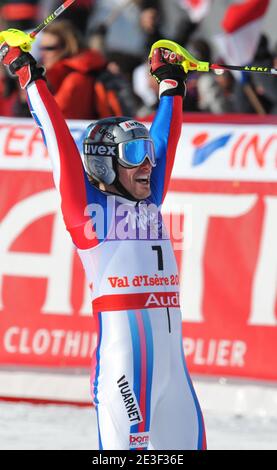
{"x": 107, "y": 134}
{"x": 100, "y": 149}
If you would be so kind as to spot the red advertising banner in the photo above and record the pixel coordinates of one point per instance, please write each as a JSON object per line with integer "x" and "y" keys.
{"x": 224, "y": 188}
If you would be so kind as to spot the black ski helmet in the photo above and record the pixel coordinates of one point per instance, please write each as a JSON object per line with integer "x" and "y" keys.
{"x": 101, "y": 143}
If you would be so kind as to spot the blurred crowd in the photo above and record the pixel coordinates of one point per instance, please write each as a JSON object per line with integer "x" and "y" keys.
{"x": 97, "y": 66}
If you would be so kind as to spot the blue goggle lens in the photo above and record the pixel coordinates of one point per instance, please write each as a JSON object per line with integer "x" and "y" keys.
{"x": 134, "y": 152}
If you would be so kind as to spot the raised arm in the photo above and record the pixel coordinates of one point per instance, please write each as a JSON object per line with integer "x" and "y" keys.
{"x": 167, "y": 125}
{"x": 69, "y": 175}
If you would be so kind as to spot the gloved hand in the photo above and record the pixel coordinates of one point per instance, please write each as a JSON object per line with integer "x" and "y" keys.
{"x": 21, "y": 64}
{"x": 168, "y": 73}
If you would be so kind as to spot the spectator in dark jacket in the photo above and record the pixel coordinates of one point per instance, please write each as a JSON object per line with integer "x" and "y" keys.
{"x": 263, "y": 86}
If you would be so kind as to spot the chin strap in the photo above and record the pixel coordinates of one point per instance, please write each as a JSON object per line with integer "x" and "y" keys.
{"x": 123, "y": 190}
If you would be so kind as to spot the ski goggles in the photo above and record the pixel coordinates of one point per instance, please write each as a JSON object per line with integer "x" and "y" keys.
{"x": 134, "y": 152}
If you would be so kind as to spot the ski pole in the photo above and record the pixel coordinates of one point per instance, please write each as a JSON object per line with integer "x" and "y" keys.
{"x": 17, "y": 38}
{"x": 51, "y": 17}
{"x": 190, "y": 63}
{"x": 246, "y": 68}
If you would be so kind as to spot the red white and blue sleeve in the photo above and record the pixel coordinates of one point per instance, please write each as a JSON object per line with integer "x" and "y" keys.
{"x": 69, "y": 175}
{"x": 165, "y": 132}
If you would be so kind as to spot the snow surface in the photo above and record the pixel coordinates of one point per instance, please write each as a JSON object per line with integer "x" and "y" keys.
{"x": 44, "y": 427}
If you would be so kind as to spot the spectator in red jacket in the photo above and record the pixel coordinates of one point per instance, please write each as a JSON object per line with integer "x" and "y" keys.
{"x": 71, "y": 69}
{"x": 8, "y": 93}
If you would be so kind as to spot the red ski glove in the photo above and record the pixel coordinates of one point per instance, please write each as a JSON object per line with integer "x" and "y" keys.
{"x": 20, "y": 64}
{"x": 168, "y": 73}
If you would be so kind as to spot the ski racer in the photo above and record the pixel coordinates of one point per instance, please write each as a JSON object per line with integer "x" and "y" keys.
{"x": 111, "y": 206}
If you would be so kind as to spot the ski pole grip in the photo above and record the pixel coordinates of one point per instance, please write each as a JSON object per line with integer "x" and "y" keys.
{"x": 17, "y": 38}
{"x": 189, "y": 63}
